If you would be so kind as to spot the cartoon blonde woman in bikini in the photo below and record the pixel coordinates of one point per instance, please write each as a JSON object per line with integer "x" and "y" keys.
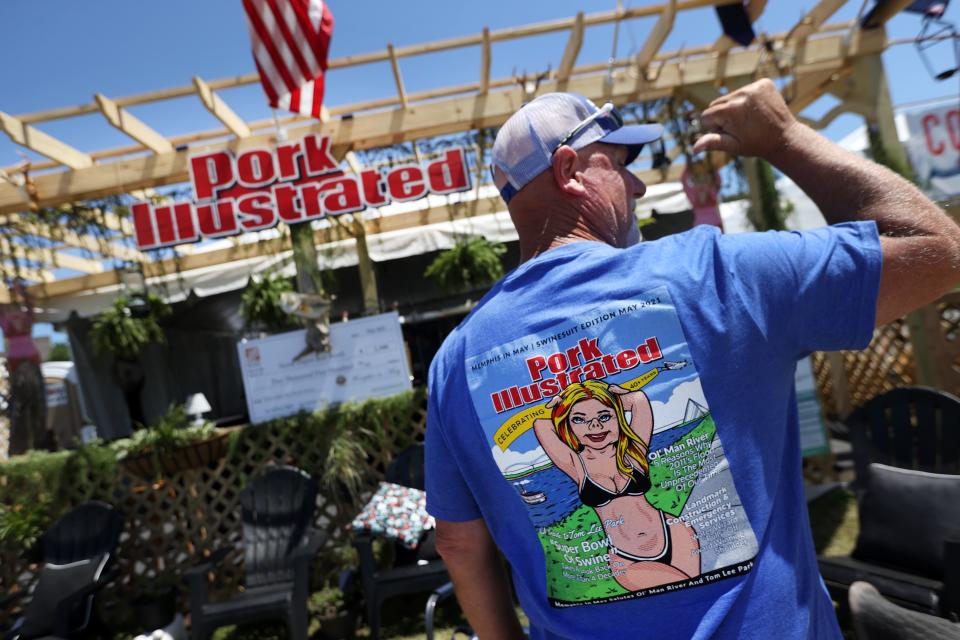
{"x": 598, "y": 434}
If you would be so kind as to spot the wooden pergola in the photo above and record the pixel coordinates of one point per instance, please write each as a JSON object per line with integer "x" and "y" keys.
{"x": 813, "y": 58}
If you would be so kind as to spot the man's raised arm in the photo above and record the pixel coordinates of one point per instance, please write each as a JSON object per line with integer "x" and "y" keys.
{"x": 921, "y": 244}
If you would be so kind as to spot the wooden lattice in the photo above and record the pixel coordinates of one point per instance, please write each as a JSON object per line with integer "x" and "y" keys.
{"x": 172, "y": 524}
{"x": 848, "y": 379}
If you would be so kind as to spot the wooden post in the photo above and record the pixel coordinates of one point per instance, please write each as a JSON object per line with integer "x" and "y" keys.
{"x": 368, "y": 277}
{"x": 305, "y": 258}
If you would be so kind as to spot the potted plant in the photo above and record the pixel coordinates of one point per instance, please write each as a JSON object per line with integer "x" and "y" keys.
{"x": 336, "y": 613}
{"x": 172, "y": 445}
{"x": 122, "y": 331}
{"x": 260, "y": 304}
{"x": 472, "y": 262}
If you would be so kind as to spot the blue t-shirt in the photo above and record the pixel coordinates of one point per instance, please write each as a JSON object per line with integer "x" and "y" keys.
{"x": 625, "y": 422}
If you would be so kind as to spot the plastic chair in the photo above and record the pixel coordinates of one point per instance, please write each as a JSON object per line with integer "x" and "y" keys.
{"x": 909, "y": 427}
{"x": 76, "y": 552}
{"x": 415, "y": 571}
{"x": 875, "y": 618}
{"x": 279, "y": 543}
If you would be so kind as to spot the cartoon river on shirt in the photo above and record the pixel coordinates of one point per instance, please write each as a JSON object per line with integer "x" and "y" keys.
{"x": 601, "y": 426}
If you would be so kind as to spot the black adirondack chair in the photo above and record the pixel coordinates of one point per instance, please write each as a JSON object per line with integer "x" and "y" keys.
{"x": 875, "y": 618}
{"x": 909, "y": 427}
{"x": 416, "y": 571}
{"x": 75, "y": 553}
{"x": 279, "y": 543}
{"x": 909, "y": 543}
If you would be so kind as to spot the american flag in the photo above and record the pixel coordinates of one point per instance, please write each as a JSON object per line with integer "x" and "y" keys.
{"x": 290, "y": 41}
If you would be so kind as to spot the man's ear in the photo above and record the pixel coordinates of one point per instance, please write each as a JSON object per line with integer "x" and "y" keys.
{"x": 565, "y": 174}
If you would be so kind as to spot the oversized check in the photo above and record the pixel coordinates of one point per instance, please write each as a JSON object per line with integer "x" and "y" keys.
{"x": 367, "y": 360}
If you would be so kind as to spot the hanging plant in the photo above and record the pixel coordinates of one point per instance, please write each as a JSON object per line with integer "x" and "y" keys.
{"x": 473, "y": 262}
{"x": 129, "y": 325}
{"x": 260, "y": 303}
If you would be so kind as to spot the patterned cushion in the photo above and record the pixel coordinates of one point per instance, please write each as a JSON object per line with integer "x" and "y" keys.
{"x": 396, "y": 512}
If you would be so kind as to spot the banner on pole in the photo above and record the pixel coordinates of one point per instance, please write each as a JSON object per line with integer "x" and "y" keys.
{"x": 934, "y": 150}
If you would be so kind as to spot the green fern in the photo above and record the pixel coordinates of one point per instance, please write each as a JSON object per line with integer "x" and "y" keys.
{"x": 121, "y": 332}
{"x": 260, "y": 303}
{"x": 471, "y": 263}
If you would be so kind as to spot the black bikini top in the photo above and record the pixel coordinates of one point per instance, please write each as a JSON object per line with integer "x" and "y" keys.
{"x": 593, "y": 495}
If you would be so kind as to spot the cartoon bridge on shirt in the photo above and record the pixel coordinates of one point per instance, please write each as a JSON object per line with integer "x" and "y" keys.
{"x": 813, "y": 58}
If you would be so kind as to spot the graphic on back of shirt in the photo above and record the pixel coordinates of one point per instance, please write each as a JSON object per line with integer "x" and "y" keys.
{"x": 601, "y": 426}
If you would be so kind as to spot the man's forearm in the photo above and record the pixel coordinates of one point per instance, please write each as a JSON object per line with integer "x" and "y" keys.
{"x": 847, "y": 187}
{"x": 479, "y": 578}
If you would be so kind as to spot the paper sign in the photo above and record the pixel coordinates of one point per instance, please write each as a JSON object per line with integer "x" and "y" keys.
{"x": 367, "y": 360}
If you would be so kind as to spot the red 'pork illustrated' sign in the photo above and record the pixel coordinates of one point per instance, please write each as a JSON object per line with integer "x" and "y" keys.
{"x": 293, "y": 183}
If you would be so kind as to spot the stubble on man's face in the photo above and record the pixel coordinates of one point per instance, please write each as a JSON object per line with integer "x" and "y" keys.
{"x": 615, "y": 191}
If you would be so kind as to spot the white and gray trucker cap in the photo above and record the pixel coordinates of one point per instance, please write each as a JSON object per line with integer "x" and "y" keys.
{"x": 526, "y": 142}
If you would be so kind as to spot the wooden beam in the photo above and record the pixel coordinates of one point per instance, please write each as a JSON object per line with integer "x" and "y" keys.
{"x": 352, "y": 162}
{"x": 331, "y": 233}
{"x": 500, "y": 35}
{"x": 437, "y": 117}
{"x": 657, "y": 36}
{"x": 574, "y": 43}
{"x": 45, "y": 145}
{"x": 220, "y": 110}
{"x": 74, "y": 239}
{"x": 396, "y": 75}
{"x": 51, "y": 257}
{"x": 27, "y": 273}
{"x": 132, "y": 126}
{"x": 811, "y": 22}
{"x": 485, "y": 60}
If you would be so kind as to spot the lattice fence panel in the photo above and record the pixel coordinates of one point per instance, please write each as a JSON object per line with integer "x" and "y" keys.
{"x": 890, "y": 360}
{"x": 173, "y": 523}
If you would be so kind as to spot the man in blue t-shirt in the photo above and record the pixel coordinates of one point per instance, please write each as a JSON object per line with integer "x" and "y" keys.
{"x": 619, "y": 419}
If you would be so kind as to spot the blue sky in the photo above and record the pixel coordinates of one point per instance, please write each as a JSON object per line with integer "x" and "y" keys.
{"x": 59, "y": 53}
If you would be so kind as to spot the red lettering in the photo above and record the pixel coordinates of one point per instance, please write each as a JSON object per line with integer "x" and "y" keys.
{"x": 573, "y": 354}
{"x": 344, "y": 196}
{"x": 255, "y": 168}
{"x": 497, "y": 403}
{"x": 406, "y": 183}
{"x": 372, "y": 188}
{"x": 175, "y": 223}
{"x": 288, "y": 207}
{"x": 256, "y": 211}
{"x": 593, "y": 370}
{"x": 515, "y": 396}
{"x": 217, "y": 219}
{"x": 589, "y": 349}
{"x": 530, "y": 393}
{"x": 609, "y": 365}
{"x": 143, "y": 225}
{"x": 953, "y": 126}
{"x": 557, "y": 363}
{"x": 449, "y": 174}
{"x": 210, "y": 172}
{"x": 535, "y": 366}
{"x": 627, "y": 359}
{"x": 317, "y": 154}
{"x": 649, "y": 351}
{"x": 310, "y": 194}
{"x": 287, "y": 161}
{"x": 929, "y": 121}
{"x": 550, "y": 387}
